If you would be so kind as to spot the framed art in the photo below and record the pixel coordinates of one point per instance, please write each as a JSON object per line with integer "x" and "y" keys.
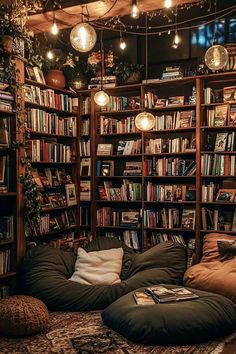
{"x": 30, "y": 73}
{"x": 2, "y": 168}
{"x": 70, "y": 194}
{"x": 225, "y": 195}
{"x": 4, "y": 132}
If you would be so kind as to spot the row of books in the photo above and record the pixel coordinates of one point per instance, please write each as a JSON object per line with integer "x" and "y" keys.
{"x": 222, "y": 142}
{"x": 124, "y": 147}
{"x": 86, "y": 105}
{"x": 85, "y": 190}
{"x": 85, "y": 147}
{"x": 6, "y": 100}
{"x": 168, "y": 145}
{"x": 128, "y": 191}
{"x": 85, "y": 215}
{"x": 169, "y": 167}
{"x": 5, "y": 173}
{"x": 212, "y": 192}
{"x": 157, "y": 192}
{"x": 51, "y": 177}
{"x": 5, "y": 261}
{"x": 65, "y": 243}
{"x": 117, "y": 126}
{"x": 41, "y": 121}
{"x": 157, "y": 237}
{"x": 49, "y": 98}
{"x": 219, "y": 165}
{"x": 170, "y": 218}
{"x": 84, "y": 127}
{"x": 85, "y": 167}
{"x": 132, "y": 239}
{"x": 226, "y": 94}
{"x": 107, "y": 216}
{"x": 222, "y": 115}
{"x": 39, "y": 150}
{"x": 49, "y": 223}
{"x": 6, "y": 227}
{"x": 218, "y": 220}
{"x": 131, "y": 168}
{"x": 175, "y": 120}
{"x": 122, "y": 103}
{"x": 151, "y": 100}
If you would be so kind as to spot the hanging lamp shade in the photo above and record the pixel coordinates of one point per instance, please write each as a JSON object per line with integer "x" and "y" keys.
{"x": 145, "y": 121}
{"x": 216, "y": 57}
{"x": 83, "y": 37}
{"x": 101, "y": 98}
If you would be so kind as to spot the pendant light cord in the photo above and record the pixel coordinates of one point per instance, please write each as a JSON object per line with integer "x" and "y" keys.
{"x": 146, "y": 47}
{"x": 214, "y": 32}
{"x": 102, "y": 58}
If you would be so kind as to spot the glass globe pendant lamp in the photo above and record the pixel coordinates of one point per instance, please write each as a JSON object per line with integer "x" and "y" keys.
{"x": 83, "y": 37}
{"x": 145, "y": 121}
{"x": 216, "y": 57}
{"x": 101, "y": 98}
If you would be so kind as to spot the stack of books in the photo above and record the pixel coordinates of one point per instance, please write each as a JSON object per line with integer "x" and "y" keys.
{"x": 172, "y": 73}
{"x": 6, "y": 99}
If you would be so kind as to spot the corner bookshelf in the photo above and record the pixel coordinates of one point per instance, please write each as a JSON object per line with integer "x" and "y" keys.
{"x": 52, "y": 148}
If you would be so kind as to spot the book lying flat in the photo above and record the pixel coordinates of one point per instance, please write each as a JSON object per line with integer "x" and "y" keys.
{"x": 142, "y": 298}
{"x": 161, "y": 294}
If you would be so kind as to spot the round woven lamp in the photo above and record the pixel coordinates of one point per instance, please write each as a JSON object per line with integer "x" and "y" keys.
{"x": 22, "y": 316}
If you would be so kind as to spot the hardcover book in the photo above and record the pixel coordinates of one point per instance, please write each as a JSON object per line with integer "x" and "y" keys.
{"x": 221, "y": 115}
{"x": 188, "y": 219}
{"x": 162, "y": 294}
{"x": 221, "y": 140}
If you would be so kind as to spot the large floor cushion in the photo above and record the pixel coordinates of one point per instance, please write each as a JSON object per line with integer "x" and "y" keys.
{"x": 191, "y": 321}
{"x": 212, "y": 273}
{"x": 46, "y": 271}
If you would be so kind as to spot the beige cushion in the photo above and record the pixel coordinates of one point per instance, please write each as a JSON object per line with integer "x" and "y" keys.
{"x": 212, "y": 274}
{"x": 98, "y": 267}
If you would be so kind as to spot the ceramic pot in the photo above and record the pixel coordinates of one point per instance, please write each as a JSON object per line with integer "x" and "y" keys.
{"x": 56, "y": 79}
{"x": 6, "y": 43}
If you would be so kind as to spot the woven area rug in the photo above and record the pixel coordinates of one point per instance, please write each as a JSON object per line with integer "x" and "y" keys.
{"x": 84, "y": 333}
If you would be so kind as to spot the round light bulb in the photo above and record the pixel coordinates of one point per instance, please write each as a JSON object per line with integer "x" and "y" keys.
{"x": 54, "y": 29}
{"x": 101, "y": 98}
{"x": 176, "y": 41}
{"x": 83, "y": 37}
{"x": 145, "y": 121}
{"x": 122, "y": 44}
{"x": 168, "y": 4}
{"x": 135, "y": 11}
{"x": 216, "y": 57}
{"x": 50, "y": 55}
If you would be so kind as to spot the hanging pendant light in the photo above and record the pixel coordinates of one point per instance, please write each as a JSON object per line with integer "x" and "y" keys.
{"x": 217, "y": 56}
{"x": 101, "y": 98}
{"x": 83, "y": 36}
{"x": 145, "y": 121}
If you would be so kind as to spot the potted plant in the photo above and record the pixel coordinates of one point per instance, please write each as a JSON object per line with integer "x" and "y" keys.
{"x": 76, "y": 72}
{"x": 128, "y": 73}
{"x": 53, "y": 70}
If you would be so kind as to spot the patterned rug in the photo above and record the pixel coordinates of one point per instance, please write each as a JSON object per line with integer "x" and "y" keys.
{"x": 84, "y": 333}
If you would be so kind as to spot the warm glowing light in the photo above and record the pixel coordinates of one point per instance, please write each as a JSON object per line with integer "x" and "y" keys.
{"x": 168, "y": 4}
{"x": 83, "y": 37}
{"x": 135, "y": 10}
{"x": 216, "y": 57}
{"x": 122, "y": 44}
{"x": 145, "y": 121}
{"x": 101, "y": 98}
{"x": 50, "y": 55}
{"x": 176, "y": 41}
{"x": 54, "y": 29}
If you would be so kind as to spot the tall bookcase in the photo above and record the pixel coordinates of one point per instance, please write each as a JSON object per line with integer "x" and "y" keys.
{"x": 52, "y": 147}
{"x": 158, "y": 177}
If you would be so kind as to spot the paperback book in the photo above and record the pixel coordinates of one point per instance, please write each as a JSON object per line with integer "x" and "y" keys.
{"x": 162, "y": 294}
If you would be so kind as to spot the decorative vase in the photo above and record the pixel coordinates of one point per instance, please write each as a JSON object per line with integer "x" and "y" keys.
{"x": 79, "y": 82}
{"x": 134, "y": 78}
{"x": 56, "y": 79}
{"x": 6, "y": 43}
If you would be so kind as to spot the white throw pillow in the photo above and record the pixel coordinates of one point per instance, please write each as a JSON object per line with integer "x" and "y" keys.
{"x": 98, "y": 267}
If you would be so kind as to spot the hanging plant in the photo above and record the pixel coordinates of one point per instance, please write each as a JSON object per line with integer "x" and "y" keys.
{"x": 32, "y": 196}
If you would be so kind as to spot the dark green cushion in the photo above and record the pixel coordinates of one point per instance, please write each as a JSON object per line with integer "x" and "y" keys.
{"x": 206, "y": 318}
{"x": 46, "y": 270}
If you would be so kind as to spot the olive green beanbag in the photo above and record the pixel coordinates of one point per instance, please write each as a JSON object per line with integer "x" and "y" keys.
{"x": 46, "y": 270}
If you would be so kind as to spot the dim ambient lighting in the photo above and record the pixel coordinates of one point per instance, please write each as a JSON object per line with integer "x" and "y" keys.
{"x": 168, "y": 4}
{"x": 83, "y": 37}
{"x": 145, "y": 121}
{"x": 101, "y": 98}
{"x": 50, "y": 55}
{"x": 54, "y": 29}
{"x": 176, "y": 40}
{"x": 122, "y": 44}
{"x": 135, "y": 9}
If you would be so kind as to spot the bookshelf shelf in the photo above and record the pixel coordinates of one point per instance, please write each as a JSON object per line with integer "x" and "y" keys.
{"x": 171, "y": 203}
{"x": 6, "y": 242}
{"x": 49, "y": 210}
{"x": 64, "y": 137}
{"x": 173, "y": 108}
{"x": 118, "y": 201}
{"x": 52, "y": 163}
{"x": 7, "y": 275}
{"x": 6, "y": 113}
{"x": 50, "y": 109}
{"x": 53, "y": 233}
{"x": 219, "y": 232}
{"x": 112, "y": 135}
{"x": 169, "y": 229}
{"x": 168, "y": 131}
{"x": 225, "y": 127}
{"x": 217, "y": 177}
{"x": 170, "y": 177}
{"x": 137, "y": 156}
{"x": 186, "y": 153}
{"x": 44, "y": 87}
{"x": 8, "y": 194}
{"x": 117, "y": 113}
{"x": 118, "y": 177}
{"x": 123, "y": 228}
{"x": 225, "y": 204}
{"x": 219, "y": 152}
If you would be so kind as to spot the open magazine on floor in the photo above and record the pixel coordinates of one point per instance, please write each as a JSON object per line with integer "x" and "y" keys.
{"x": 162, "y": 294}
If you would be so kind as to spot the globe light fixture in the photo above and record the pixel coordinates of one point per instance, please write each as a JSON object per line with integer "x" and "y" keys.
{"x": 144, "y": 121}
{"x": 83, "y": 37}
{"x": 101, "y": 98}
{"x": 216, "y": 57}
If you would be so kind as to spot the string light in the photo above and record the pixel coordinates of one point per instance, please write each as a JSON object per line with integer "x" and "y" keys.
{"x": 176, "y": 40}
{"x": 54, "y": 29}
{"x": 50, "y": 55}
{"x": 122, "y": 44}
{"x": 168, "y": 4}
{"x": 135, "y": 9}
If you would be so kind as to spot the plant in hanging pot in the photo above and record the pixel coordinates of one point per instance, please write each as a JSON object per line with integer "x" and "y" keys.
{"x": 128, "y": 73}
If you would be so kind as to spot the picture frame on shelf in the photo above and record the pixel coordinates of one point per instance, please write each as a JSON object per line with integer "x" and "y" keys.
{"x": 71, "y": 194}
{"x": 30, "y": 73}
{"x": 4, "y": 132}
{"x": 28, "y": 93}
{"x": 175, "y": 101}
{"x": 39, "y": 75}
{"x": 107, "y": 168}
{"x": 226, "y": 195}
{"x": 188, "y": 219}
{"x": 221, "y": 140}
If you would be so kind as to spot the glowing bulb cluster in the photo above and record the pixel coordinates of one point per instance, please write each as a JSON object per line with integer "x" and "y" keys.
{"x": 101, "y": 98}
{"x": 145, "y": 121}
{"x": 168, "y": 4}
{"x": 83, "y": 37}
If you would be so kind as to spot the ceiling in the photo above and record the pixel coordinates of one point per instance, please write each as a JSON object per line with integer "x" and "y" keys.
{"x": 68, "y": 16}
